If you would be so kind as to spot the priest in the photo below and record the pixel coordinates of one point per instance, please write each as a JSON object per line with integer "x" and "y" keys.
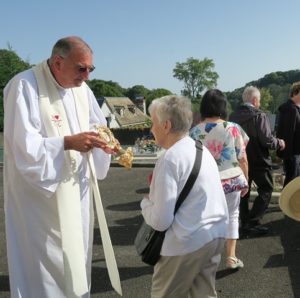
{"x": 52, "y": 160}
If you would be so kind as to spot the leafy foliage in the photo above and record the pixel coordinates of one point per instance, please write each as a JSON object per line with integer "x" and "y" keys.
{"x": 278, "y": 78}
{"x": 10, "y": 65}
{"x": 137, "y": 91}
{"x": 102, "y": 88}
{"x": 156, "y": 93}
{"x": 266, "y": 99}
{"x": 197, "y": 75}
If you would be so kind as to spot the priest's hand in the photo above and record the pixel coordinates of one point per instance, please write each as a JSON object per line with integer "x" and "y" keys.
{"x": 85, "y": 141}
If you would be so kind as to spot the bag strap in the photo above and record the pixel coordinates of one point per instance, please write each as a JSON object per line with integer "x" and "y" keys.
{"x": 193, "y": 176}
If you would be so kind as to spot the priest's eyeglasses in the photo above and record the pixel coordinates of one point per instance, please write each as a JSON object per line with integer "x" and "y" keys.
{"x": 82, "y": 69}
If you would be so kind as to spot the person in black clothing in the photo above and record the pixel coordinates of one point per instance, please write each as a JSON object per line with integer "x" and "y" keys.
{"x": 289, "y": 129}
{"x": 257, "y": 126}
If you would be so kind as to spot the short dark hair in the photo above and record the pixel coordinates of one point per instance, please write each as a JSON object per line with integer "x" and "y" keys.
{"x": 213, "y": 104}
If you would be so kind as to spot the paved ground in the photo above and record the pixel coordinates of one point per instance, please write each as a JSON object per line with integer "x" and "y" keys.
{"x": 272, "y": 263}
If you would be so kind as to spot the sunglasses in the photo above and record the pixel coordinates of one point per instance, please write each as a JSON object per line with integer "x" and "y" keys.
{"x": 82, "y": 69}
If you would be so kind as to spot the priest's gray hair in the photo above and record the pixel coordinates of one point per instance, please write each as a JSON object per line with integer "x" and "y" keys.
{"x": 250, "y": 93}
{"x": 64, "y": 46}
{"x": 177, "y": 109}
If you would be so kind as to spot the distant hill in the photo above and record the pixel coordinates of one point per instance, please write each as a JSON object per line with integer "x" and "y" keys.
{"x": 280, "y": 78}
{"x": 277, "y": 84}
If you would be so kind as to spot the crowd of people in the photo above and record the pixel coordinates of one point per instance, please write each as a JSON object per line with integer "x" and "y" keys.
{"x": 52, "y": 160}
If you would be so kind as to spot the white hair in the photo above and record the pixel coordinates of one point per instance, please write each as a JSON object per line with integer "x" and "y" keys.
{"x": 249, "y": 93}
{"x": 177, "y": 109}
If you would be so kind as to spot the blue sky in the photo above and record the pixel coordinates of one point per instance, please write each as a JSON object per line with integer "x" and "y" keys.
{"x": 138, "y": 42}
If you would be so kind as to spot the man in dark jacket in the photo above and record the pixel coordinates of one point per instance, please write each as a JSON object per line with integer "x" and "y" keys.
{"x": 289, "y": 130}
{"x": 256, "y": 124}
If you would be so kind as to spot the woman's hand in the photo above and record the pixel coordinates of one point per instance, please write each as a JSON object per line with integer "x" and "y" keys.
{"x": 244, "y": 192}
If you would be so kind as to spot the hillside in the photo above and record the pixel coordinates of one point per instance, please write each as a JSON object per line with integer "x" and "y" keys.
{"x": 275, "y": 84}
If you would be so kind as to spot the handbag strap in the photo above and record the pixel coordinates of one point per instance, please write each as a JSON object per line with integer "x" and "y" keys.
{"x": 193, "y": 176}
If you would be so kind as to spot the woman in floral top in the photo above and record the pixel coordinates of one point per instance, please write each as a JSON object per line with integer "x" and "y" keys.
{"x": 227, "y": 142}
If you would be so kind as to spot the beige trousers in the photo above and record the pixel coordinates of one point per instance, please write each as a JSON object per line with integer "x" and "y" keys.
{"x": 192, "y": 275}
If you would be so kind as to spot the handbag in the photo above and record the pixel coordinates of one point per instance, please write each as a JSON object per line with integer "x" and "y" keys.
{"x": 234, "y": 184}
{"x": 148, "y": 241}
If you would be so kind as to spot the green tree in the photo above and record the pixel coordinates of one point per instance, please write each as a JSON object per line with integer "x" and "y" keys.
{"x": 265, "y": 99}
{"x": 197, "y": 76}
{"x": 102, "y": 88}
{"x": 137, "y": 91}
{"x": 156, "y": 93}
{"x": 10, "y": 65}
{"x": 279, "y": 78}
{"x": 280, "y": 94}
{"x": 235, "y": 98}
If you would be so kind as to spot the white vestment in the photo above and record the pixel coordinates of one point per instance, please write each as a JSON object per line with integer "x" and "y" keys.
{"x": 33, "y": 166}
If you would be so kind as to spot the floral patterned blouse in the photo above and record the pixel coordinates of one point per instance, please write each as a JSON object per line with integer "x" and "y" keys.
{"x": 226, "y": 141}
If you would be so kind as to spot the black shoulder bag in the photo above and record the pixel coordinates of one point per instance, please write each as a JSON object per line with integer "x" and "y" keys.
{"x": 148, "y": 242}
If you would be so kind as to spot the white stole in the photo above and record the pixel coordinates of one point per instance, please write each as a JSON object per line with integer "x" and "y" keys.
{"x": 68, "y": 192}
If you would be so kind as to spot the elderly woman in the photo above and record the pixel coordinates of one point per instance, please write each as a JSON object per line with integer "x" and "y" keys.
{"x": 227, "y": 143}
{"x": 195, "y": 236}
